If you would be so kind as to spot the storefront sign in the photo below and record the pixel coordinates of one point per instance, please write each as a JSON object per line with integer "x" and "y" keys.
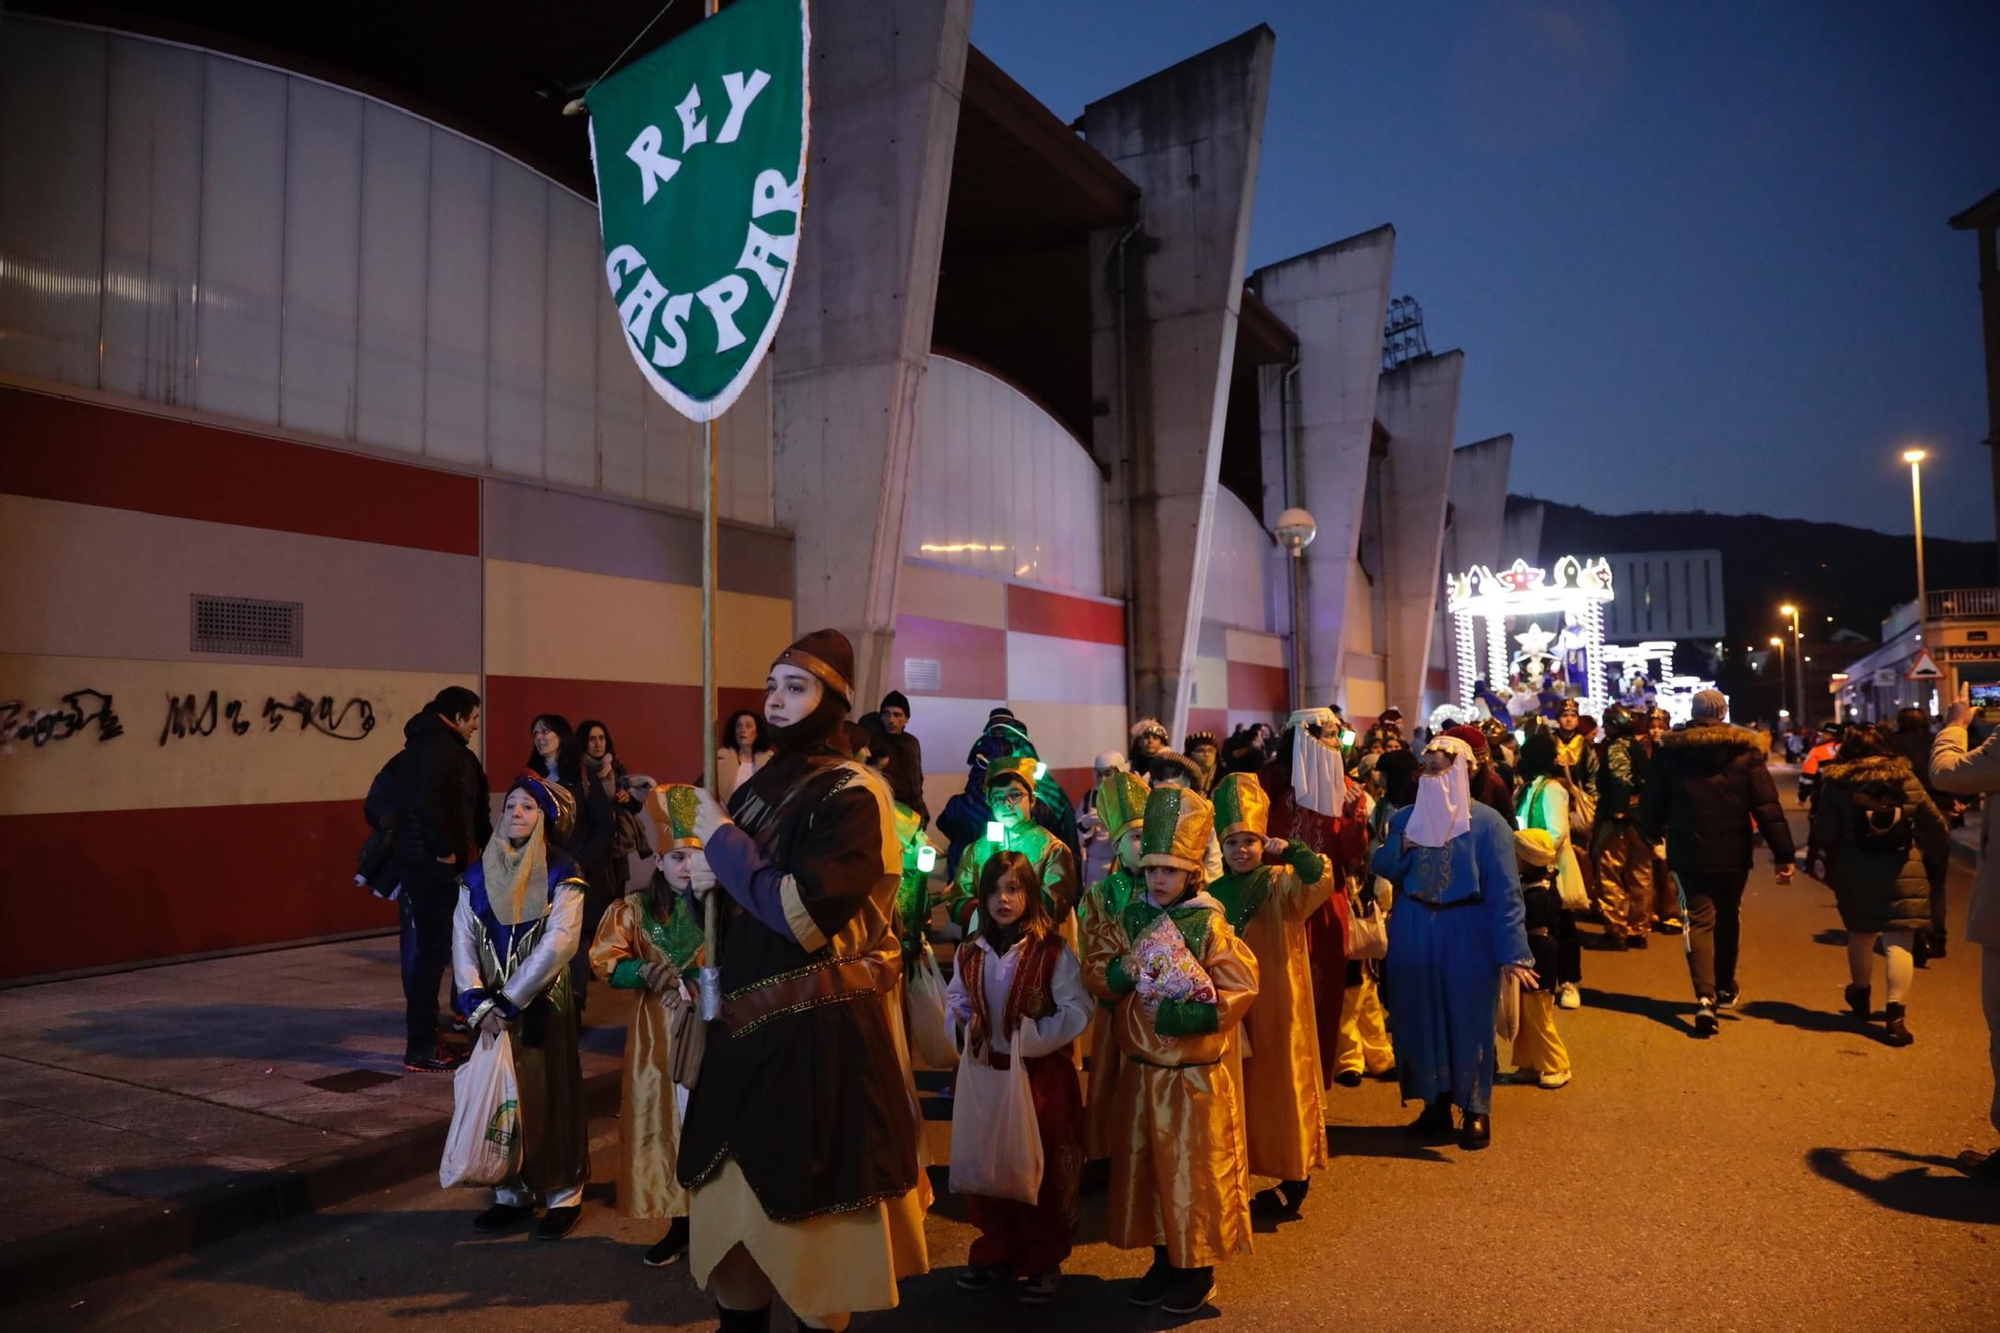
{"x": 700, "y": 153}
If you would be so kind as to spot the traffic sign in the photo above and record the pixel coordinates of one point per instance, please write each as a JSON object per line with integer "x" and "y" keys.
{"x": 1924, "y": 668}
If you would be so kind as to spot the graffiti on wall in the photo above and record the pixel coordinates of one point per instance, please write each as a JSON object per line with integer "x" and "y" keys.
{"x": 191, "y": 715}
{"x": 187, "y": 716}
{"x": 45, "y": 726}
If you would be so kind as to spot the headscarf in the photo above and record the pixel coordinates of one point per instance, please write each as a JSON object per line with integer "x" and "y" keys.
{"x": 1444, "y": 800}
{"x": 1319, "y": 781}
{"x": 517, "y": 878}
{"x": 826, "y": 656}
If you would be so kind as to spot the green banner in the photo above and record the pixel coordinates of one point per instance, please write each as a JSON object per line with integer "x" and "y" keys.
{"x": 700, "y": 154}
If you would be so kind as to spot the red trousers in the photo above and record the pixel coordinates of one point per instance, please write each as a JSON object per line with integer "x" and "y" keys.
{"x": 1034, "y": 1238}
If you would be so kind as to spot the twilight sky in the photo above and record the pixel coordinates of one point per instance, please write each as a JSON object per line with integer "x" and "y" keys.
{"x": 1695, "y": 252}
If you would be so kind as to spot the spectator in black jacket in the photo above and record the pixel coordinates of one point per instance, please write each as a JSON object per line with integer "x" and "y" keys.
{"x": 898, "y": 752}
{"x": 442, "y": 822}
{"x": 1912, "y": 740}
{"x": 1709, "y": 783}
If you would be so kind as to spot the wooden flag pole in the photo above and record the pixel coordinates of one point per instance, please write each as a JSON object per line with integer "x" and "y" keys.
{"x": 711, "y": 969}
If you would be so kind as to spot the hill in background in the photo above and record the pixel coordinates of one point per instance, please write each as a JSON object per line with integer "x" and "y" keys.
{"x": 1855, "y": 575}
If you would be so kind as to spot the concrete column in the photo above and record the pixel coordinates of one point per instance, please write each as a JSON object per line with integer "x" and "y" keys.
{"x": 850, "y": 359}
{"x": 1478, "y": 512}
{"x": 1418, "y": 405}
{"x": 1334, "y": 299}
{"x": 1190, "y": 138}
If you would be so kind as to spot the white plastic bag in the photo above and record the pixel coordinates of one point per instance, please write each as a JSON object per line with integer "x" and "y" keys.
{"x": 484, "y": 1145}
{"x": 996, "y": 1142}
{"x": 924, "y": 1005}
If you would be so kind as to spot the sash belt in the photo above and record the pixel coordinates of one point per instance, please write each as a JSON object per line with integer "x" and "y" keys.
{"x": 848, "y": 979}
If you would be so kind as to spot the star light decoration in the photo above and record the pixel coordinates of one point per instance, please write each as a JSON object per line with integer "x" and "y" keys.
{"x": 1569, "y": 586}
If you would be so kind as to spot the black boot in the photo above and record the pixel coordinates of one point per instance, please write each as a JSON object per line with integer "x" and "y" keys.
{"x": 1192, "y": 1288}
{"x": 671, "y": 1247}
{"x": 1858, "y": 1002}
{"x": 1893, "y": 1026}
{"x": 743, "y": 1321}
{"x": 1478, "y": 1131}
{"x": 1435, "y": 1122}
{"x": 1152, "y": 1288}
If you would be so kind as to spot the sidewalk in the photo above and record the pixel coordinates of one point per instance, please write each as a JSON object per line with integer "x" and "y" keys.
{"x": 147, "y": 1112}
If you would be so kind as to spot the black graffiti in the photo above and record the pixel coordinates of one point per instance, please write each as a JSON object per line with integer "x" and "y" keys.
{"x": 192, "y": 715}
{"x": 186, "y": 717}
{"x": 320, "y": 716}
{"x": 80, "y": 709}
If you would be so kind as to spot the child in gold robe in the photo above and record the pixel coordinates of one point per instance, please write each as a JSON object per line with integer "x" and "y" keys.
{"x": 1121, "y": 807}
{"x": 1267, "y": 906}
{"x": 1179, "y": 1176}
{"x": 651, "y": 941}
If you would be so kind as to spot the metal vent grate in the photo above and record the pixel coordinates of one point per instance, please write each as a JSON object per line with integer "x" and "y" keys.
{"x": 923, "y": 673}
{"x": 246, "y": 625}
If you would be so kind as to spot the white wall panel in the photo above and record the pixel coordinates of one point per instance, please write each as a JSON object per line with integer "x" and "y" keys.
{"x": 455, "y": 314}
{"x": 1002, "y": 489}
{"x": 322, "y": 259}
{"x": 1071, "y": 671}
{"x": 186, "y": 228}
{"x": 1241, "y": 566}
{"x": 242, "y": 240}
{"x": 152, "y": 220}
{"x": 517, "y": 319}
{"x": 395, "y": 257}
{"x": 51, "y": 200}
{"x": 575, "y": 288}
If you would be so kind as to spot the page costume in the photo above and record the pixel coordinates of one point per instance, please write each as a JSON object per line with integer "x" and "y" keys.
{"x": 1046, "y": 852}
{"x": 1268, "y": 907}
{"x": 632, "y": 936}
{"x": 1033, "y": 1004}
{"x": 1179, "y": 1176}
{"x": 518, "y": 923}
{"x": 801, "y": 1137}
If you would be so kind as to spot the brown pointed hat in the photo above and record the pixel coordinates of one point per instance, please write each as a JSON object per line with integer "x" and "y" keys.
{"x": 827, "y": 655}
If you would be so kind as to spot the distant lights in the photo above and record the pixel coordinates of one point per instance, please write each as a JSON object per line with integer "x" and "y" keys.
{"x": 956, "y": 548}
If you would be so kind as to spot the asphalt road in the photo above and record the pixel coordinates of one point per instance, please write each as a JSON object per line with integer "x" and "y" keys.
{"x": 1791, "y": 1173}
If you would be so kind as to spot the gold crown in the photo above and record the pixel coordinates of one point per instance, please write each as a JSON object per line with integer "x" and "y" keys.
{"x": 1241, "y": 806}
{"x": 1179, "y": 824}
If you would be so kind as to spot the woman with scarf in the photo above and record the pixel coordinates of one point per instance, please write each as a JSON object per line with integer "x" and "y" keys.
{"x": 518, "y": 924}
{"x": 650, "y": 942}
{"x": 555, "y": 754}
{"x": 800, "y": 1144}
{"x": 1458, "y": 928}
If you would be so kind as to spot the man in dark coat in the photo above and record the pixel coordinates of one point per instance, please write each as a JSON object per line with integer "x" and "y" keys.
{"x": 442, "y": 824}
{"x": 1709, "y": 784}
{"x": 896, "y": 751}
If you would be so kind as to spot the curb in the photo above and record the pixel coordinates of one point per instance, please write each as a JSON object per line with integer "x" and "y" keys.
{"x": 156, "y": 1229}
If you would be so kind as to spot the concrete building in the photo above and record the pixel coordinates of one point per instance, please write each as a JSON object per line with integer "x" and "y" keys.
{"x": 318, "y": 403}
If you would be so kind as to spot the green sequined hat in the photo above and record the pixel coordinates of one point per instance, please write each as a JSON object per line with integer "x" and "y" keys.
{"x": 1179, "y": 824}
{"x": 672, "y": 808}
{"x": 1025, "y": 769}
{"x": 1121, "y": 800}
{"x": 1241, "y": 806}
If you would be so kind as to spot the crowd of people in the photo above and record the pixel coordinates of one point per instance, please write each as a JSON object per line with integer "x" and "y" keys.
{"x": 1152, "y": 992}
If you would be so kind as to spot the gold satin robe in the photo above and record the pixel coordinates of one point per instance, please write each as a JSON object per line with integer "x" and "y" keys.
{"x": 1179, "y": 1173}
{"x": 1284, "y": 1113}
{"x": 649, "y": 1117}
{"x": 1106, "y": 899}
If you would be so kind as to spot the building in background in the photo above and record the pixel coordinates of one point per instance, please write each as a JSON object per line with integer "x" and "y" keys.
{"x": 318, "y": 403}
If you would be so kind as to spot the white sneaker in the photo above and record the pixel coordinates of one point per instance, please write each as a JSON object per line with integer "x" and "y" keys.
{"x": 1566, "y": 996}
{"x": 1550, "y": 1082}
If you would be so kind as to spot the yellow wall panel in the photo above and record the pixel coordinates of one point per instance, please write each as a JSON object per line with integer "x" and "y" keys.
{"x": 569, "y": 625}
{"x": 937, "y": 594}
{"x": 175, "y": 750}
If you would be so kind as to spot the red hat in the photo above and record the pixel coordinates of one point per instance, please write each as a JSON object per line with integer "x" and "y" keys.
{"x": 1472, "y": 736}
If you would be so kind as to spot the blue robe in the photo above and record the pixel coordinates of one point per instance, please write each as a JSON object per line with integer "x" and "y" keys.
{"x": 1441, "y": 980}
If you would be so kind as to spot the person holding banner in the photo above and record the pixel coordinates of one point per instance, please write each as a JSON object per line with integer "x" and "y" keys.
{"x": 649, "y": 941}
{"x": 518, "y": 923}
{"x": 800, "y": 1144}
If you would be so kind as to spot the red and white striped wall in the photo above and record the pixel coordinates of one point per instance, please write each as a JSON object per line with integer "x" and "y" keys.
{"x": 140, "y": 823}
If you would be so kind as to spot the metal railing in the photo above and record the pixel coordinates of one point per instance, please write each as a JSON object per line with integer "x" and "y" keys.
{"x": 1964, "y": 604}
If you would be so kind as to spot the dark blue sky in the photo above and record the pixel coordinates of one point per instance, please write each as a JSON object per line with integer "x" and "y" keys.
{"x": 1695, "y": 252}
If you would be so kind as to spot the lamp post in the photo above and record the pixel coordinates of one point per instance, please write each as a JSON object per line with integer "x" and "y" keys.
{"x": 1296, "y": 529}
{"x": 1798, "y": 656}
{"x": 1778, "y": 642}
{"x": 1915, "y": 458}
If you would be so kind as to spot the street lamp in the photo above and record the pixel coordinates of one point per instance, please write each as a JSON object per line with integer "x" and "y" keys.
{"x": 1778, "y": 642}
{"x": 1798, "y": 656}
{"x": 1915, "y": 458}
{"x": 1296, "y": 529}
